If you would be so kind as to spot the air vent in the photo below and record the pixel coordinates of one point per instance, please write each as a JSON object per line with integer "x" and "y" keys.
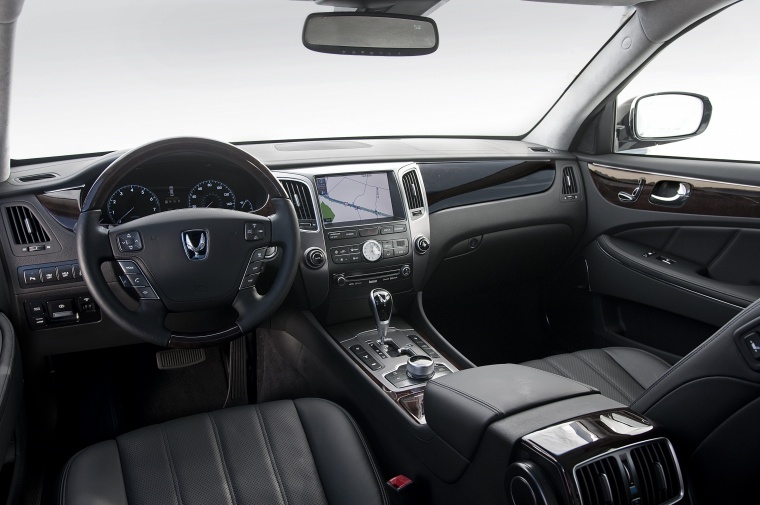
{"x": 569, "y": 185}
{"x": 658, "y": 475}
{"x": 26, "y": 228}
{"x": 413, "y": 193}
{"x": 601, "y": 483}
{"x": 36, "y": 177}
{"x": 300, "y": 195}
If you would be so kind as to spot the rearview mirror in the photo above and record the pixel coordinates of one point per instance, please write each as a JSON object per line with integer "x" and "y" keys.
{"x": 370, "y": 34}
{"x": 669, "y": 116}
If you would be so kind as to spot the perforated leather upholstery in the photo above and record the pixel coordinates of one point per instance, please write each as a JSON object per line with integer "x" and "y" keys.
{"x": 619, "y": 373}
{"x": 307, "y": 451}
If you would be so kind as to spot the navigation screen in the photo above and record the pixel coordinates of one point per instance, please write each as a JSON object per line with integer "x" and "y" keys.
{"x": 354, "y": 197}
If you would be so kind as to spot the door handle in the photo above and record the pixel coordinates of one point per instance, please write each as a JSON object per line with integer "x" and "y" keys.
{"x": 670, "y": 193}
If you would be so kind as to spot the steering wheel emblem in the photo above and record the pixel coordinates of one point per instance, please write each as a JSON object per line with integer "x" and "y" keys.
{"x": 195, "y": 243}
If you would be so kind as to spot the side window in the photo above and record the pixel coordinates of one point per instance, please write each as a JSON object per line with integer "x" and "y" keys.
{"x": 714, "y": 70}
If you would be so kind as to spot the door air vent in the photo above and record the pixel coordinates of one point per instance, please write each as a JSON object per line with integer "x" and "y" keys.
{"x": 26, "y": 228}
{"x": 601, "y": 483}
{"x": 413, "y": 193}
{"x": 36, "y": 177}
{"x": 569, "y": 185}
{"x": 300, "y": 195}
{"x": 657, "y": 472}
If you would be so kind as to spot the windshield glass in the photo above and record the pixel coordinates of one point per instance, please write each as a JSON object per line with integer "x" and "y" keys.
{"x": 93, "y": 76}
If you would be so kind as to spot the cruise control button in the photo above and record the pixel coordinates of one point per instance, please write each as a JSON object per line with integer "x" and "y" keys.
{"x": 32, "y": 277}
{"x": 258, "y": 254}
{"x": 249, "y": 281}
{"x": 49, "y": 274}
{"x": 129, "y": 267}
{"x": 253, "y": 268}
{"x": 146, "y": 293}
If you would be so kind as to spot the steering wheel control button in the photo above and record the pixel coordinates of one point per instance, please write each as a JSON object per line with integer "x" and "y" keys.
{"x": 137, "y": 280}
{"x": 271, "y": 252}
{"x": 254, "y": 268}
{"x": 146, "y": 293}
{"x": 129, "y": 267}
{"x": 254, "y": 232}
{"x": 129, "y": 241}
{"x": 258, "y": 255}
{"x": 249, "y": 281}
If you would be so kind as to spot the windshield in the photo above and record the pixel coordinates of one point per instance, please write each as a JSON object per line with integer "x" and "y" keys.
{"x": 93, "y": 76}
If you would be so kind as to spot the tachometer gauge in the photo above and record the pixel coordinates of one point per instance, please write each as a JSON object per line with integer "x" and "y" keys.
{"x": 212, "y": 194}
{"x": 132, "y": 202}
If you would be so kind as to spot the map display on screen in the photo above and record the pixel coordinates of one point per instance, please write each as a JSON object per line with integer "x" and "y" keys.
{"x": 354, "y": 197}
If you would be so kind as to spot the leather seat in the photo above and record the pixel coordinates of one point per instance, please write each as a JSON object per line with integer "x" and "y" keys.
{"x": 306, "y": 451}
{"x": 619, "y": 373}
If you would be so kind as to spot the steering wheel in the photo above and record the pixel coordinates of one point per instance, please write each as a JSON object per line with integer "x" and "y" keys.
{"x": 189, "y": 259}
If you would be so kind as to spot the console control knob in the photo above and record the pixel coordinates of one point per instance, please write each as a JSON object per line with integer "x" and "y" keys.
{"x": 421, "y": 244}
{"x": 420, "y": 367}
{"x": 315, "y": 257}
{"x": 340, "y": 280}
{"x": 406, "y": 271}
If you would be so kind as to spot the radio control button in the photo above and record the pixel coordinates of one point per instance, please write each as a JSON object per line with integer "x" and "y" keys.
{"x": 342, "y": 258}
{"x": 356, "y": 258}
{"x": 399, "y": 228}
{"x": 368, "y": 232}
{"x": 350, "y": 234}
{"x": 334, "y": 235}
{"x": 386, "y": 230}
{"x": 355, "y": 248}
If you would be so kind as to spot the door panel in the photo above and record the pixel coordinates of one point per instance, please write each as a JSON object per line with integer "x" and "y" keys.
{"x": 663, "y": 276}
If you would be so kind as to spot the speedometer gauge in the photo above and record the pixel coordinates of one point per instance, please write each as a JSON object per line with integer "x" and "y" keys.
{"x": 212, "y": 194}
{"x": 132, "y": 202}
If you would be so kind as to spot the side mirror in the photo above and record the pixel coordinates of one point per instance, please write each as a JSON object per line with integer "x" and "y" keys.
{"x": 662, "y": 118}
{"x": 370, "y": 34}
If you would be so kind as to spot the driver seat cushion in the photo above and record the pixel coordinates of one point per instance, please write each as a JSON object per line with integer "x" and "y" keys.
{"x": 619, "y": 373}
{"x": 306, "y": 451}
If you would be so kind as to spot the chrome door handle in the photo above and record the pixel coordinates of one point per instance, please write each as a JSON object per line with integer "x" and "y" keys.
{"x": 683, "y": 191}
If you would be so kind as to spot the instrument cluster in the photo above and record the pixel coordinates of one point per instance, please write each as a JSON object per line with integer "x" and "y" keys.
{"x": 181, "y": 183}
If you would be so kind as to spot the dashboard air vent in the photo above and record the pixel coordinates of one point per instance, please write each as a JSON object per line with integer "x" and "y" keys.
{"x": 658, "y": 476}
{"x": 25, "y": 227}
{"x": 413, "y": 193}
{"x": 601, "y": 483}
{"x": 36, "y": 177}
{"x": 540, "y": 149}
{"x": 569, "y": 185}
{"x": 300, "y": 195}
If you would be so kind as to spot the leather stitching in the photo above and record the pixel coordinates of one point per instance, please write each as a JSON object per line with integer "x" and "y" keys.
{"x": 653, "y": 268}
{"x": 221, "y": 457}
{"x": 168, "y": 452}
{"x": 272, "y": 460}
{"x": 467, "y": 396}
{"x": 626, "y": 371}
{"x": 599, "y": 372}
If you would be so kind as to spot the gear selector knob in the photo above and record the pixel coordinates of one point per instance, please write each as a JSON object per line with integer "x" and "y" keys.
{"x": 381, "y": 304}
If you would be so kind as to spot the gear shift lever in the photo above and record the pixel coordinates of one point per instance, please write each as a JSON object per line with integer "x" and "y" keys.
{"x": 381, "y": 304}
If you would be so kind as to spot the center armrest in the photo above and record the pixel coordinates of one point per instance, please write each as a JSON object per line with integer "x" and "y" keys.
{"x": 460, "y": 406}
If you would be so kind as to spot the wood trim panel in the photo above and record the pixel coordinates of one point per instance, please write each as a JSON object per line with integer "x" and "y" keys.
{"x": 708, "y": 198}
